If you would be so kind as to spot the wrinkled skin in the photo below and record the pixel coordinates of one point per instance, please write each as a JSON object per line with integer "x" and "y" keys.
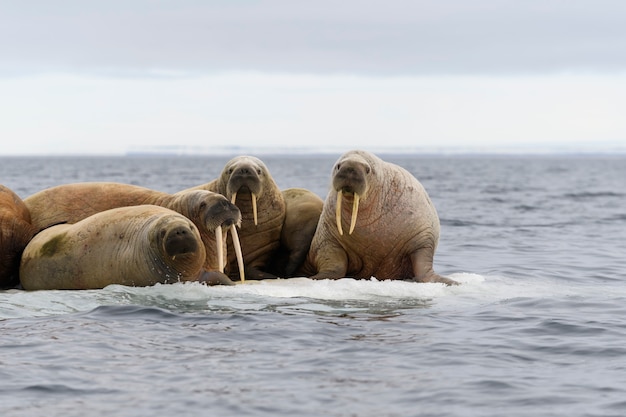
{"x": 303, "y": 210}
{"x": 15, "y": 232}
{"x": 135, "y": 246}
{"x": 70, "y": 203}
{"x": 246, "y": 181}
{"x": 394, "y": 235}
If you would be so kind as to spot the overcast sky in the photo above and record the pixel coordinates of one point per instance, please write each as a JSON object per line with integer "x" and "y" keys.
{"x": 113, "y": 76}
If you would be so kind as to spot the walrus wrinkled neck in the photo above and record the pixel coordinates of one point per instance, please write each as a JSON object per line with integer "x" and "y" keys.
{"x": 179, "y": 241}
{"x": 241, "y": 192}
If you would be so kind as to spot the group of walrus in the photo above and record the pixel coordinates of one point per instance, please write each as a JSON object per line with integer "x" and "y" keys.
{"x": 376, "y": 221}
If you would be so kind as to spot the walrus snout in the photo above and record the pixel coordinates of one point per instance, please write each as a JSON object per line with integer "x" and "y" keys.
{"x": 246, "y": 178}
{"x": 223, "y": 213}
{"x": 179, "y": 240}
{"x": 351, "y": 177}
{"x": 244, "y": 181}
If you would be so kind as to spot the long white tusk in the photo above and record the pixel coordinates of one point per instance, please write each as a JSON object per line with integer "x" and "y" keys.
{"x": 338, "y": 213}
{"x": 220, "y": 248}
{"x": 237, "y": 245}
{"x": 355, "y": 210}
{"x": 254, "y": 214}
{"x": 233, "y": 198}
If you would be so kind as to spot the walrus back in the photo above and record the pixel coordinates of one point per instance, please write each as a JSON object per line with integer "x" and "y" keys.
{"x": 71, "y": 203}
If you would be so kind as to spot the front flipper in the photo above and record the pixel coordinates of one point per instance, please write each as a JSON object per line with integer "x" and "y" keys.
{"x": 331, "y": 265}
{"x": 422, "y": 261}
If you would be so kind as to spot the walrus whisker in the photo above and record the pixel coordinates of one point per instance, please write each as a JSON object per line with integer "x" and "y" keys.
{"x": 355, "y": 211}
{"x": 338, "y": 212}
{"x": 220, "y": 248}
{"x": 237, "y": 245}
{"x": 254, "y": 212}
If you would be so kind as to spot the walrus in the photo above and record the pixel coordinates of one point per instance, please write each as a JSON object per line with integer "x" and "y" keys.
{"x": 246, "y": 182}
{"x": 135, "y": 246}
{"x": 392, "y": 225}
{"x": 211, "y": 212}
{"x": 302, "y": 212}
{"x": 16, "y": 231}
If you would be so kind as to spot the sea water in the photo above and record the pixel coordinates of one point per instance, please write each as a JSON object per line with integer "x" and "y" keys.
{"x": 536, "y": 328}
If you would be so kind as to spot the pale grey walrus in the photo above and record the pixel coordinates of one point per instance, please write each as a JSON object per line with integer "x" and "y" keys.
{"x": 377, "y": 221}
{"x": 302, "y": 212}
{"x": 15, "y": 232}
{"x": 246, "y": 182}
{"x": 135, "y": 246}
{"x": 211, "y": 212}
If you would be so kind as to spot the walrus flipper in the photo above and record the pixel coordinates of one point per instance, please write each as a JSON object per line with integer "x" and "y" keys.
{"x": 423, "y": 269}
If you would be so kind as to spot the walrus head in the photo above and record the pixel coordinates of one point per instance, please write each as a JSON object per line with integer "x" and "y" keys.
{"x": 350, "y": 180}
{"x": 180, "y": 240}
{"x": 245, "y": 174}
{"x": 221, "y": 213}
{"x": 213, "y": 214}
{"x": 226, "y": 215}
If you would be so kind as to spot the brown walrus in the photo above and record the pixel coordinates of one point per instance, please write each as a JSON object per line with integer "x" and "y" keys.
{"x": 393, "y": 226}
{"x": 136, "y": 246}
{"x": 15, "y": 232}
{"x": 246, "y": 182}
{"x": 302, "y": 212}
{"x": 211, "y": 212}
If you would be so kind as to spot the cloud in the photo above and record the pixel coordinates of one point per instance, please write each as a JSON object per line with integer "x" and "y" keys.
{"x": 396, "y": 37}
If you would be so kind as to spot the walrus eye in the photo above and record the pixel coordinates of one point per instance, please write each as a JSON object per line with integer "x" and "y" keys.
{"x": 367, "y": 170}
{"x": 230, "y": 171}
{"x": 337, "y": 167}
{"x": 202, "y": 205}
{"x": 258, "y": 171}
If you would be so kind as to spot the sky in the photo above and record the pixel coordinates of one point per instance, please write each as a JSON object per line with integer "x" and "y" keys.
{"x": 192, "y": 76}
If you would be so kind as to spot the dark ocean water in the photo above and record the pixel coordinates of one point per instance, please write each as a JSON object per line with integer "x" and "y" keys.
{"x": 537, "y": 328}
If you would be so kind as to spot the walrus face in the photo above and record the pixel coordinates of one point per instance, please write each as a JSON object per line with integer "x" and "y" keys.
{"x": 224, "y": 215}
{"x": 245, "y": 174}
{"x": 179, "y": 240}
{"x": 350, "y": 180}
{"x": 221, "y": 213}
{"x": 214, "y": 214}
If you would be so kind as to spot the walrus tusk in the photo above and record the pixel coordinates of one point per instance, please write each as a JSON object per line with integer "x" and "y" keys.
{"x": 254, "y": 208}
{"x": 338, "y": 212}
{"x": 237, "y": 245}
{"x": 355, "y": 210}
{"x": 220, "y": 248}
